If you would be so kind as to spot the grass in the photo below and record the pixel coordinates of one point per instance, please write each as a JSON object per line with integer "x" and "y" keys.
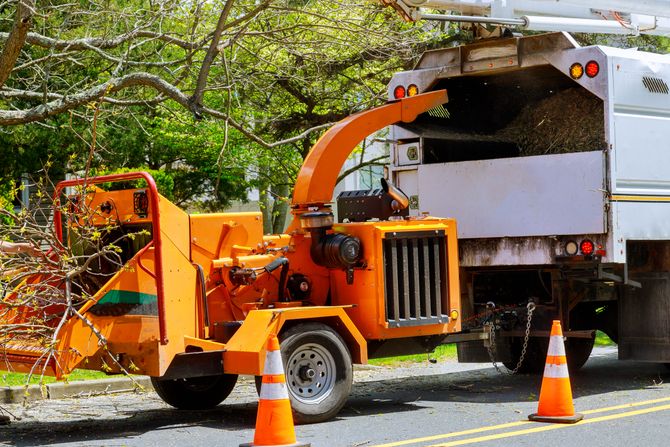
{"x": 17, "y": 379}
{"x": 448, "y": 352}
{"x": 442, "y": 352}
{"x": 603, "y": 340}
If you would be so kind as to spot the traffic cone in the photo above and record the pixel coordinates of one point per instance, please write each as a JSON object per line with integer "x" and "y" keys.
{"x": 556, "y": 395}
{"x": 274, "y": 421}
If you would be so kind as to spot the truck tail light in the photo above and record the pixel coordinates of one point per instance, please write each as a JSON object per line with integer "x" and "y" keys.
{"x": 592, "y": 69}
{"x": 412, "y": 90}
{"x": 576, "y": 70}
{"x": 586, "y": 247}
{"x": 399, "y": 92}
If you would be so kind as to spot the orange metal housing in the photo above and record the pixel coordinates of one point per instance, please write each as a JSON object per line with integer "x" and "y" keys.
{"x": 178, "y": 287}
{"x": 367, "y": 293}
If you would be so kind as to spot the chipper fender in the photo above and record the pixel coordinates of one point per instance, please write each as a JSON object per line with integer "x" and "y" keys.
{"x": 245, "y": 352}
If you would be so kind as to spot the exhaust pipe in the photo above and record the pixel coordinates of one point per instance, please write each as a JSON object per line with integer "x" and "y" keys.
{"x": 400, "y": 200}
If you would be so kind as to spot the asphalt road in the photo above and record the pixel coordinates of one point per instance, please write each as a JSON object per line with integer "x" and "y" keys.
{"x": 624, "y": 404}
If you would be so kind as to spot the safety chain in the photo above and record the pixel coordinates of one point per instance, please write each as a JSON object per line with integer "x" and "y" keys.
{"x": 476, "y": 321}
{"x": 492, "y": 340}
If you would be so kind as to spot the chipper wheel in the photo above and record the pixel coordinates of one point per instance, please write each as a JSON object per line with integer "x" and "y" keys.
{"x": 195, "y": 393}
{"x": 318, "y": 371}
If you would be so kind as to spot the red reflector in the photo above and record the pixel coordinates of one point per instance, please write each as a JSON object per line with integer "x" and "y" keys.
{"x": 399, "y": 92}
{"x": 592, "y": 69}
{"x": 586, "y": 247}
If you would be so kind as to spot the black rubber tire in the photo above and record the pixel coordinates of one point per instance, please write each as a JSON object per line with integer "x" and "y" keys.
{"x": 318, "y": 340}
{"x": 577, "y": 351}
{"x": 536, "y": 355}
{"x": 195, "y": 393}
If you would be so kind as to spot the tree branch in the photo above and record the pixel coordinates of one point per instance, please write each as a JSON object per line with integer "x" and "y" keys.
{"x": 16, "y": 38}
{"x": 97, "y": 42}
{"x": 196, "y": 99}
{"x": 65, "y": 103}
{"x": 10, "y": 93}
{"x": 256, "y": 138}
{"x": 373, "y": 162}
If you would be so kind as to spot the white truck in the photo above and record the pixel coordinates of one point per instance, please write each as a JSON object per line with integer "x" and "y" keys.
{"x": 555, "y": 161}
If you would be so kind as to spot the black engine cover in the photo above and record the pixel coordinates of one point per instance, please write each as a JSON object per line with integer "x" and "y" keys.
{"x": 363, "y": 205}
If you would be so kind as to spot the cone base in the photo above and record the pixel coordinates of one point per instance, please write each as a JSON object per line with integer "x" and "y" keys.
{"x": 556, "y": 419}
{"x": 297, "y": 444}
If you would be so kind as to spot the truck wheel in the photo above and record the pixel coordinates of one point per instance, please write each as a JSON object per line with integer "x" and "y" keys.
{"x": 195, "y": 393}
{"x": 318, "y": 371}
{"x": 535, "y": 358}
{"x": 577, "y": 351}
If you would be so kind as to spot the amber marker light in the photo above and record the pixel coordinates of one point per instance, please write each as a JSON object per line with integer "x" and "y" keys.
{"x": 576, "y": 70}
{"x": 412, "y": 90}
{"x": 453, "y": 315}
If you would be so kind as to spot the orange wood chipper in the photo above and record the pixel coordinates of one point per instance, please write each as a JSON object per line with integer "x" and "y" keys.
{"x": 198, "y": 295}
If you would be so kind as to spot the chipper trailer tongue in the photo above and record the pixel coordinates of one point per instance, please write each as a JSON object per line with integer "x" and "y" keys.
{"x": 198, "y": 295}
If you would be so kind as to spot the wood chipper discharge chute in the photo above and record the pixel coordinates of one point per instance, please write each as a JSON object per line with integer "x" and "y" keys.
{"x": 191, "y": 300}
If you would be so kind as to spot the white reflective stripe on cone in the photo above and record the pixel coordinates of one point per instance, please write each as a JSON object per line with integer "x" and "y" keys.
{"x": 273, "y": 364}
{"x": 274, "y": 391}
{"x": 556, "y": 371}
{"x": 556, "y": 346}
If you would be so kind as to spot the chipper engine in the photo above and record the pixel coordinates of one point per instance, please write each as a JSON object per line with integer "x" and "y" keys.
{"x": 193, "y": 298}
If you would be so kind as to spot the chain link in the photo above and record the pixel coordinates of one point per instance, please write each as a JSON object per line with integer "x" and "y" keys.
{"x": 491, "y": 328}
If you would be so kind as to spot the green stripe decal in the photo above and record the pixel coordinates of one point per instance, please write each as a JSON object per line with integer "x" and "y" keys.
{"x": 127, "y": 297}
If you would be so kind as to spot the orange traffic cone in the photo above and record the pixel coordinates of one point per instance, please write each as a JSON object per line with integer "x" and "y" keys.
{"x": 274, "y": 421}
{"x": 556, "y": 395}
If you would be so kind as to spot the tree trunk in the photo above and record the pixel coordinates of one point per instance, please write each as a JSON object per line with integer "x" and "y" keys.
{"x": 266, "y": 209}
{"x": 280, "y": 207}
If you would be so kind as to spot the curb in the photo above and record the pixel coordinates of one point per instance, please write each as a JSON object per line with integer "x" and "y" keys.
{"x": 62, "y": 390}
{"x": 84, "y": 388}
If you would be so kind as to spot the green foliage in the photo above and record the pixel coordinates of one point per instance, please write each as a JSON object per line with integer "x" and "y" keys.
{"x": 293, "y": 66}
{"x": 164, "y": 182}
{"x": 6, "y": 196}
{"x": 603, "y": 340}
{"x": 653, "y": 44}
{"x": 441, "y": 353}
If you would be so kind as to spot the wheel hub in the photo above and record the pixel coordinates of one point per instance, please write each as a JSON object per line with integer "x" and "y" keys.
{"x": 306, "y": 373}
{"x": 310, "y": 373}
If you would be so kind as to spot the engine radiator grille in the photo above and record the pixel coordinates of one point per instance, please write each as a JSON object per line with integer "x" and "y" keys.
{"x": 415, "y": 269}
